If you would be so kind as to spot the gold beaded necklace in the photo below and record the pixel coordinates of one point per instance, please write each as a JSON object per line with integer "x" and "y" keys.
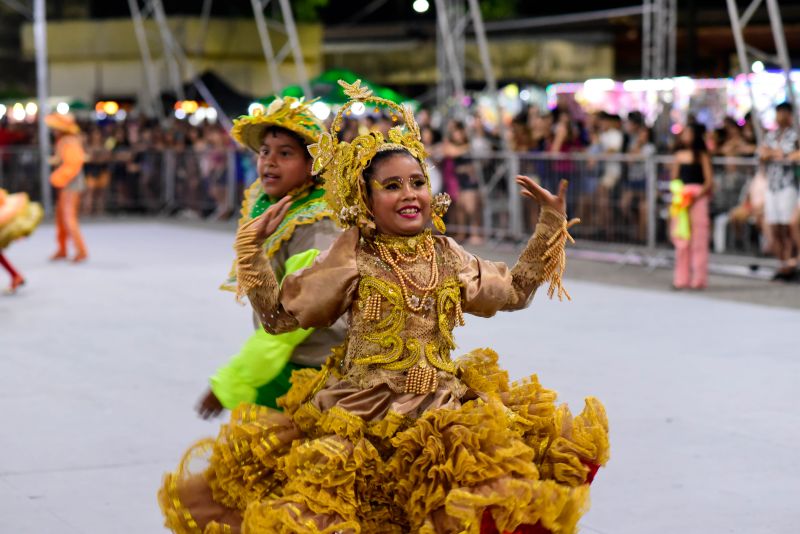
{"x": 392, "y": 255}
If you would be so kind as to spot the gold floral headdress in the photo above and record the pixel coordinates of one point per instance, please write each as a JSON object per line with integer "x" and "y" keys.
{"x": 341, "y": 163}
{"x": 288, "y": 112}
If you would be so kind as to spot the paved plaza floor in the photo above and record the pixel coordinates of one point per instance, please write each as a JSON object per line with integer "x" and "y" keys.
{"x": 101, "y": 364}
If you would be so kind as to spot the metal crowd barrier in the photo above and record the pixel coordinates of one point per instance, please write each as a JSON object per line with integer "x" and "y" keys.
{"x": 622, "y": 200}
{"x": 187, "y": 182}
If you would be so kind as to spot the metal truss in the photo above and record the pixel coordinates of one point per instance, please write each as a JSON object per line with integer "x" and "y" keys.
{"x": 746, "y": 52}
{"x": 659, "y": 33}
{"x": 292, "y": 45}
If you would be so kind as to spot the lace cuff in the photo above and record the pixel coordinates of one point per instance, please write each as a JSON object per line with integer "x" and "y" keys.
{"x": 542, "y": 261}
{"x": 256, "y": 280}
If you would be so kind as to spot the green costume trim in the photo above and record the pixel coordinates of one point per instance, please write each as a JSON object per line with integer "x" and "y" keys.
{"x": 269, "y": 393}
{"x": 249, "y": 375}
{"x": 309, "y": 208}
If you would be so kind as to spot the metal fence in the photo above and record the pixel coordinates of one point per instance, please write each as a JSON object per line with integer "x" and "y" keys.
{"x": 621, "y": 200}
{"x": 198, "y": 184}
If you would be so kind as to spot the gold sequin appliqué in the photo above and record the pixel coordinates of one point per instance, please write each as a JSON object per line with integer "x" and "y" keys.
{"x": 386, "y": 332}
{"x": 389, "y": 326}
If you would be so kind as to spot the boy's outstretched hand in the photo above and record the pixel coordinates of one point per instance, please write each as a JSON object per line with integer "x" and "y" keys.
{"x": 268, "y": 222}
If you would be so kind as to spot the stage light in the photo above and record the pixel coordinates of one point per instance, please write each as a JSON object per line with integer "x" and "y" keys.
{"x": 211, "y": 114}
{"x": 180, "y": 114}
{"x": 110, "y": 107}
{"x": 3, "y": 110}
{"x": 31, "y": 108}
{"x": 321, "y": 110}
{"x": 358, "y": 108}
{"x": 599, "y": 85}
{"x": 758, "y": 67}
{"x": 511, "y": 90}
{"x": 421, "y": 6}
{"x": 62, "y": 108}
{"x": 189, "y": 106}
{"x": 18, "y": 112}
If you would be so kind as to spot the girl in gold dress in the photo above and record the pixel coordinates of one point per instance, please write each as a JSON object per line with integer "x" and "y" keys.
{"x": 392, "y": 435}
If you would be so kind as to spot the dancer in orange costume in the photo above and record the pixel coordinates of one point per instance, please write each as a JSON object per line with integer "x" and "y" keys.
{"x": 68, "y": 179}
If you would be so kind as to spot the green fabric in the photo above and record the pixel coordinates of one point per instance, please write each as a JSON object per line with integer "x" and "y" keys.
{"x": 264, "y": 201}
{"x": 269, "y": 393}
{"x": 678, "y": 210}
{"x": 263, "y": 357}
{"x": 301, "y": 260}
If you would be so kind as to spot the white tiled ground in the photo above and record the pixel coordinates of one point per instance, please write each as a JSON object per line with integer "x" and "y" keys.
{"x": 100, "y": 365}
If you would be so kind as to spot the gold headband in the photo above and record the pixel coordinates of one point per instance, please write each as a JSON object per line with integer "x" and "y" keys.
{"x": 341, "y": 164}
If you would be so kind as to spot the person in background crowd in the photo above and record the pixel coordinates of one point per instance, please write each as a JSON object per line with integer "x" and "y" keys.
{"x": 611, "y": 141}
{"x": 98, "y": 173}
{"x": 692, "y": 184}
{"x": 633, "y": 202}
{"x": 750, "y": 208}
{"x": 456, "y": 150}
{"x": 781, "y": 200}
{"x": 432, "y": 141}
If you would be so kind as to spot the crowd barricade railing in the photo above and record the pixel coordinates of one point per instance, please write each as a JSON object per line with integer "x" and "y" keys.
{"x": 623, "y": 200}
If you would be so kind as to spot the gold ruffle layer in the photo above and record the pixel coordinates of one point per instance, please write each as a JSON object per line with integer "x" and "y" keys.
{"x": 347, "y": 460}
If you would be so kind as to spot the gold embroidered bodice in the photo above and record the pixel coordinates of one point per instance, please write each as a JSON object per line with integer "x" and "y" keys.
{"x": 389, "y": 336}
{"x": 399, "y": 335}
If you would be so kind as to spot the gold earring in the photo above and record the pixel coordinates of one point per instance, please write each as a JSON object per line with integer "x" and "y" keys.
{"x": 438, "y": 223}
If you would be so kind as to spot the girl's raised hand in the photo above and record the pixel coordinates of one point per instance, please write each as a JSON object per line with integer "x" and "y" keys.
{"x": 542, "y": 196}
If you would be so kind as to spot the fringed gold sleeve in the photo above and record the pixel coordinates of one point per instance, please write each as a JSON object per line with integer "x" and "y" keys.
{"x": 257, "y": 281}
{"x": 542, "y": 261}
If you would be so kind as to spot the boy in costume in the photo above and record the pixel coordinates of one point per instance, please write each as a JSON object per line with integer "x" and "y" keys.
{"x": 260, "y": 372}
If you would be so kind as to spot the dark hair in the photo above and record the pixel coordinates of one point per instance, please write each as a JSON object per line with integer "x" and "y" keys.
{"x": 698, "y": 146}
{"x": 369, "y": 170}
{"x": 730, "y": 121}
{"x": 280, "y": 130}
{"x": 784, "y": 106}
{"x": 636, "y": 117}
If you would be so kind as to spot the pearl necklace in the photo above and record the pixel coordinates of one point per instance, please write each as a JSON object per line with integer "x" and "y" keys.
{"x": 424, "y": 250}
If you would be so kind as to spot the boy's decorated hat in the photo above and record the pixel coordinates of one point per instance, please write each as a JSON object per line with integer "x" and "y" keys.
{"x": 286, "y": 112}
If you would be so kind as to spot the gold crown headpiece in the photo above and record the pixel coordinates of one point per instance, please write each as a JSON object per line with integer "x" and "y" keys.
{"x": 341, "y": 163}
{"x": 286, "y": 112}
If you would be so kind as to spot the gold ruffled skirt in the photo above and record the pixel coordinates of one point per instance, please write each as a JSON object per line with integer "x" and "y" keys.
{"x": 19, "y": 217}
{"x": 346, "y": 460}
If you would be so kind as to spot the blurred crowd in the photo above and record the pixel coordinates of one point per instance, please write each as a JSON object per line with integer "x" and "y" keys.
{"x": 127, "y": 162}
{"x": 602, "y": 154}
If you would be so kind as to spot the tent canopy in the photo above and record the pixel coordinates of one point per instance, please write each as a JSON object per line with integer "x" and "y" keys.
{"x": 326, "y": 87}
